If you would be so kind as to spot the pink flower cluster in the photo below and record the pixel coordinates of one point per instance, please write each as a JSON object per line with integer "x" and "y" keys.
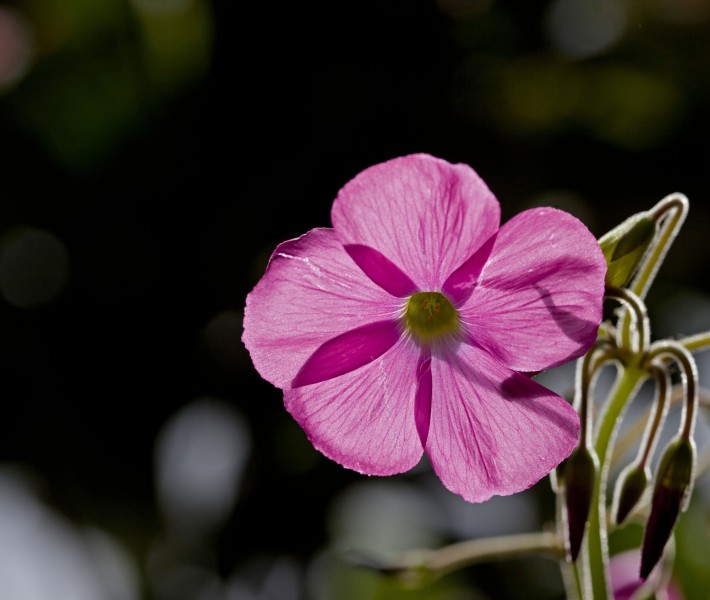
{"x": 413, "y": 324}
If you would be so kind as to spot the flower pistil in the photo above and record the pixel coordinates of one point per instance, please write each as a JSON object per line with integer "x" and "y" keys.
{"x": 430, "y": 315}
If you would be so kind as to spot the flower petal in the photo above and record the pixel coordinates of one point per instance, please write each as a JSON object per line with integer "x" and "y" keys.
{"x": 422, "y": 401}
{"x": 460, "y": 284}
{"x": 347, "y": 352}
{"x": 365, "y": 420}
{"x": 312, "y": 291}
{"x": 538, "y": 301}
{"x": 425, "y": 215}
{"x": 493, "y": 431}
{"x": 381, "y": 270}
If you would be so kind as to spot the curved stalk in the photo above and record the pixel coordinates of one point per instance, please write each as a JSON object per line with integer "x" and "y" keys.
{"x": 661, "y": 405}
{"x": 671, "y": 213}
{"x": 686, "y": 362}
{"x": 672, "y": 210}
{"x": 638, "y": 309}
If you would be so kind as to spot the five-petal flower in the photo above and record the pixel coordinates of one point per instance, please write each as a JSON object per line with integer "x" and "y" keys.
{"x": 413, "y": 323}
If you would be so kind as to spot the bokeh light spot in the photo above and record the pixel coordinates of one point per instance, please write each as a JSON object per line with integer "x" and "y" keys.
{"x": 163, "y": 6}
{"x": 384, "y": 517}
{"x": 42, "y": 557}
{"x": 16, "y": 47}
{"x": 177, "y": 39}
{"x": 629, "y": 107}
{"x": 199, "y": 457}
{"x": 581, "y": 28}
{"x": 537, "y": 95}
{"x": 34, "y": 267}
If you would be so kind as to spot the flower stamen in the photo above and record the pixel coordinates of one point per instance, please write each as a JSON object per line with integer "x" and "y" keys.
{"x": 429, "y": 315}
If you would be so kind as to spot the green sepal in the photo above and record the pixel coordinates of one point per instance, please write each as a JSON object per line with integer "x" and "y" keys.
{"x": 624, "y": 247}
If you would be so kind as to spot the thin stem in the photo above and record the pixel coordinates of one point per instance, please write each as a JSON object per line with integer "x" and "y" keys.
{"x": 597, "y": 544}
{"x": 578, "y": 580}
{"x": 415, "y": 564}
{"x": 672, "y": 210}
{"x": 638, "y": 308}
{"x": 686, "y": 362}
{"x": 697, "y": 342}
{"x": 628, "y": 437}
{"x": 587, "y": 367}
{"x": 660, "y": 410}
{"x": 635, "y": 430}
{"x": 470, "y": 552}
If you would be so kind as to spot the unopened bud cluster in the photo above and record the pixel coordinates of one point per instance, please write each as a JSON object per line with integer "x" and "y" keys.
{"x": 633, "y": 250}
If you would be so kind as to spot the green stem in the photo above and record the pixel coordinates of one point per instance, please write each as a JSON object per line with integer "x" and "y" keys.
{"x": 578, "y": 581}
{"x": 470, "y": 552}
{"x": 697, "y": 342}
{"x": 642, "y": 326}
{"x": 625, "y": 388}
{"x": 587, "y": 367}
{"x": 660, "y": 410}
{"x": 686, "y": 362}
{"x": 414, "y": 566}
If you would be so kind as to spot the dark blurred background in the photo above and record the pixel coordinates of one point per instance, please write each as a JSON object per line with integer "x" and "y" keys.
{"x": 154, "y": 152}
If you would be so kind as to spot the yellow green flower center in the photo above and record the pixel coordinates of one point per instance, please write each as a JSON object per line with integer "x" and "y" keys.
{"x": 430, "y": 315}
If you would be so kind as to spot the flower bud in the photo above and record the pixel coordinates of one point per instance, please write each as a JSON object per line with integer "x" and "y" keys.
{"x": 671, "y": 493}
{"x": 624, "y": 247}
{"x": 580, "y": 474}
{"x": 630, "y": 487}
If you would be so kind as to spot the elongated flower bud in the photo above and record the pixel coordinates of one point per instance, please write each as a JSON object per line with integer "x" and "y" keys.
{"x": 580, "y": 474}
{"x": 630, "y": 487}
{"x": 671, "y": 493}
{"x": 624, "y": 247}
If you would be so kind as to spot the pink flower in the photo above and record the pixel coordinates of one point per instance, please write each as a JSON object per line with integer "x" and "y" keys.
{"x": 625, "y": 580}
{"x": 409, "y": 327}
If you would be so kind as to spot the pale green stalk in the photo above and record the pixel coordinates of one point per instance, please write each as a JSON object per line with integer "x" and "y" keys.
{"x": 697, "y": 342}
{"x": 414, "y": 566}
{"x": 624, "y": 390}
